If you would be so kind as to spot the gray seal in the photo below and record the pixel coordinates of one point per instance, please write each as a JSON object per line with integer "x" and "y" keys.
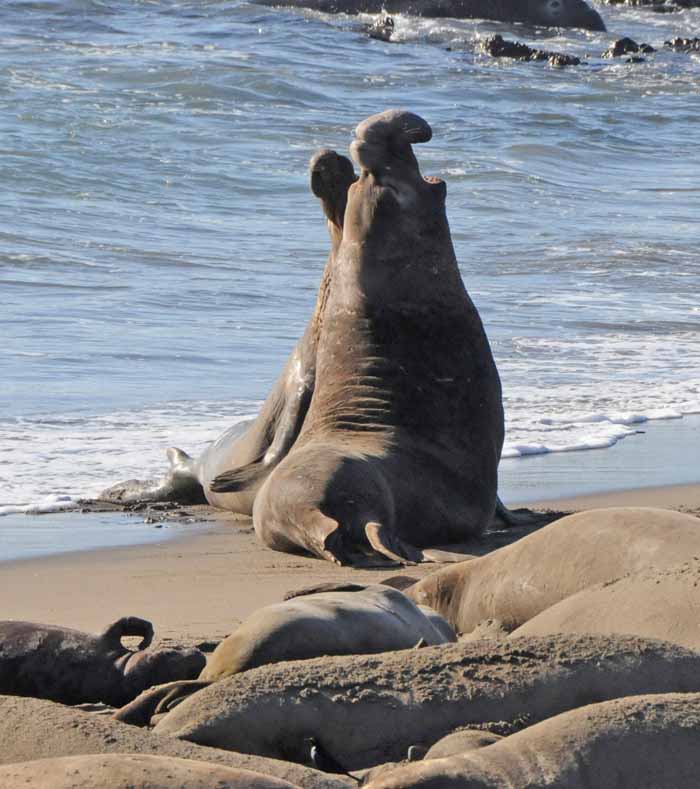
{"x": 544, "y": 13}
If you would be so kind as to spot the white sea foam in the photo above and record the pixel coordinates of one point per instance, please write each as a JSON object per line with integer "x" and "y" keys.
{"x": 54, "y": 461}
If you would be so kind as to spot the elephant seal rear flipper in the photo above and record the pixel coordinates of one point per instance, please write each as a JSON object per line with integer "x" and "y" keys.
{"x": 125, "y": 627}
{"x": 522, "y": 517}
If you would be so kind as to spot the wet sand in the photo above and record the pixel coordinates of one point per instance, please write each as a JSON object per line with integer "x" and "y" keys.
{"x": 197, "y": 587}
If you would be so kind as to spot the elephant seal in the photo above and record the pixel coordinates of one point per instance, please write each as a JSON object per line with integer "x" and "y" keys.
{"x": 461, "y": 741}
{"x": 654, "y": 603}
{"x": 400, "y": 445}
{"x": 368, "y": 709}
{"x": 73, "y": 667}
{"x": 640, "y": 742}
{"x": 126, "y": 771}
{"x": 514, "y": 583}
{"x": 544, "y": 13}
{"x": 39, "y": 729}
{"x": 364, "y": 620}
{"x": 249, "y": 451}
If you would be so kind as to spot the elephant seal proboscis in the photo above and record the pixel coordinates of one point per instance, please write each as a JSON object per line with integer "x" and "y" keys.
{"x": 544, "y": 13}
{"x": 365, "y": 620}
{"x": 39, "y": 729}
{"x": 653, "y": 603}
{"x": 400, "y": 445}
{"x": 73, "y": 667}
{"x": 127, "y": 771}
{"x": 517, "y": 582}
{"x": 248, "y": 451}
{"x": 640, "y": 742}
{"x": 368, "y": 709}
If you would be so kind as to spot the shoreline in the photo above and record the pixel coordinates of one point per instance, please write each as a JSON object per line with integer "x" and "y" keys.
{"x": 661, "y": 456}
{"x": 199, "y": 585}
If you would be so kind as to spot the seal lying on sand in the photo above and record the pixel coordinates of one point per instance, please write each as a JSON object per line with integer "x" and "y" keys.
{"x": 653, "y": 603}
{"x": 545, "y": 13}
{"x": 126, "y": 771}
{"x": 367, "y": 620}
{"x": 641, "y": 742}
{"x": 74, "y": 667}
{"x": 368, "y": 709}
{"x": 400, "y": 445}
{"x": 39, "y": 729}
{"x": 249, "y": 451}
{"x": 516, "y": 582}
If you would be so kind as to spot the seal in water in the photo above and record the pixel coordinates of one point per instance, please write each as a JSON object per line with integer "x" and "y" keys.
{"x": 72, "y": 667}
{"x": 400, "y": 445}
{"x": 545, "y": 13}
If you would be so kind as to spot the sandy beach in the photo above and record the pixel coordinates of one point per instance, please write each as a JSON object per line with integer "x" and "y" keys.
{"x": 198, "y": 587}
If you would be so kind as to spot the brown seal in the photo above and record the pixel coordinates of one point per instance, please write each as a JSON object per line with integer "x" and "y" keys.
{"x": 338, "y": 621}
{"x": 517, "y": 582}
{"x": 400, "y": 446}
{"x": 127, "y": 771}
{"x": 368, "y": 709}
{"x": 73, "y": 667}
{"x": 640, "y": 742}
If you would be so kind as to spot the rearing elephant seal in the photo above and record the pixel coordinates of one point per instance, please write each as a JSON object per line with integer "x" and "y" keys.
{"x": 400, "y": 445}
{"x": 250, "y": 450}
{"x": 72, "y": 667}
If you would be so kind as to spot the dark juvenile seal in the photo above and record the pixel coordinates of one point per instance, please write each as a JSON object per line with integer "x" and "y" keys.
{"x": 545, "y": 13}
{"x": 73, "y": 667}
{"x": 250, "y": 450}
{"x": 400, "y": 445}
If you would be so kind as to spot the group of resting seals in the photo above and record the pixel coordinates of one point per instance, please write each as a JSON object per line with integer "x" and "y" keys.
{"x": 383, "y": 434}
{"x": 593, "y": 674}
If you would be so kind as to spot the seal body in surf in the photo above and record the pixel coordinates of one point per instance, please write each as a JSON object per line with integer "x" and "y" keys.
{"x": 545, "y": 13}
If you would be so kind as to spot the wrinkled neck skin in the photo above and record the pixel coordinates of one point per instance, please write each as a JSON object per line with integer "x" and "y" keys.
{"x": 395, "y": 236}
{"x": 331, "y": 177}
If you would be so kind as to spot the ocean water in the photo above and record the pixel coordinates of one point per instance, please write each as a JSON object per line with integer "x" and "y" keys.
{"x": 160, "y": 249}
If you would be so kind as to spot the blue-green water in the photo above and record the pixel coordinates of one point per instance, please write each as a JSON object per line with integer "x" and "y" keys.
{"x": 160, "y": 249}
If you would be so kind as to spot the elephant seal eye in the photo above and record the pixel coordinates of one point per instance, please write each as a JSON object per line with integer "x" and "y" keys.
{"x": 555, "y": 5}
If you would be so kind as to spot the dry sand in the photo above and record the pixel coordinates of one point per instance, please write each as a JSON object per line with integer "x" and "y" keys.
{"x": 199, "y": 587}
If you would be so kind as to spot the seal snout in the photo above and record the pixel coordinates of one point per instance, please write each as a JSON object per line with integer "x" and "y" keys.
{"x": 383, "y": 142}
